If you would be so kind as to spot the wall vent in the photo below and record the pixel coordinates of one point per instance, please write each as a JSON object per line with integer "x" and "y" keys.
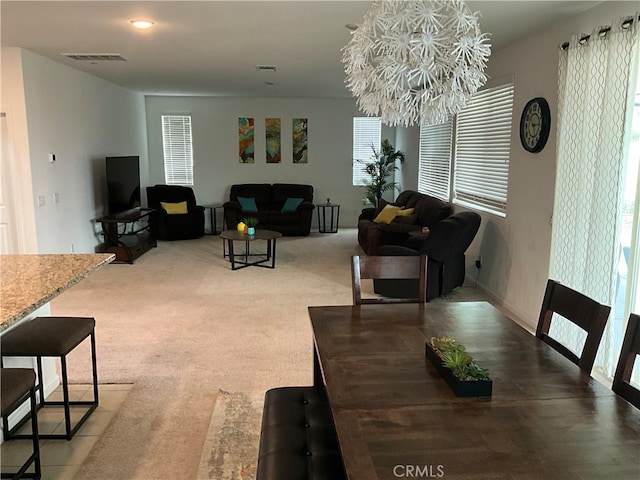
{"x": 95, "y": 57}
{"x": 266, "y": 68}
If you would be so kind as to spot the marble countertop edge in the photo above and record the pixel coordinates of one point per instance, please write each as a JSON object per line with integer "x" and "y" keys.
{"x": 31, "y": 281}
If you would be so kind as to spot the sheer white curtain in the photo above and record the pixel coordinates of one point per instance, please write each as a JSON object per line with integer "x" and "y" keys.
{"x": 595, "y": 101}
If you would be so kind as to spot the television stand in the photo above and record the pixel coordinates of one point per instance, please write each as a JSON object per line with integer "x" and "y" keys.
{"x": 127, "y": 235}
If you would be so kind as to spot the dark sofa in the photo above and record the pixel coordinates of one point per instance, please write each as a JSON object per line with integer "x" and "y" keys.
{"x": 270, "y": 200}
{"x": 428, "y": 211}
{"x": 444, "y": 247}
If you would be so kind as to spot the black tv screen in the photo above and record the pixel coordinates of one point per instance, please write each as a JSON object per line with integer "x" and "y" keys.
{"x": 123, "y": 184}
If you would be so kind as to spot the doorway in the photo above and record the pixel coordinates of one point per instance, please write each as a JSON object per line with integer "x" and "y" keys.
{"x": 8, "y": 227}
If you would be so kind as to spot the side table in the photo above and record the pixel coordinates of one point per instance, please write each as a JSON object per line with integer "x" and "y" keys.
{"x": 213, "y": 217}
{"x": 334, "y": 217}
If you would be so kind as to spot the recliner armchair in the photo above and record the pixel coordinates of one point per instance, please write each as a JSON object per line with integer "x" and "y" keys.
{"x": 175, "y": 226}
{"x": 444, "y": 247}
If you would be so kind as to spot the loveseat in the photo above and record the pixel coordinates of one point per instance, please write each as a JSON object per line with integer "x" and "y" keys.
{"x": 373, "y": 232}
{"x": 283, "y": 207}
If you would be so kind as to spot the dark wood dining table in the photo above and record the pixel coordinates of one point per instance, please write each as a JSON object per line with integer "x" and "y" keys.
{"x": 397, "y": 418}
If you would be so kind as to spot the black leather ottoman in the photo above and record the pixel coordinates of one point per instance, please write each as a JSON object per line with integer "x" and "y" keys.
{"x": 298, "y": 439}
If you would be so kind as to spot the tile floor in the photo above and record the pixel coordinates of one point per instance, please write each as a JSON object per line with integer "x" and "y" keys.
{"x": 61, "y": 459}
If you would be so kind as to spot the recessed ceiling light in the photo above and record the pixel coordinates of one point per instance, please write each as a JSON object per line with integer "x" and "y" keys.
{"x": 142, "y": 24}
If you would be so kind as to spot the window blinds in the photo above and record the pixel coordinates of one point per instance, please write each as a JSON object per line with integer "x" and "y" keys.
{"x": 483, "y": 139}
{"x": 366, "y": 133}
{"x": 434, "y": 171}
{"x": 178, "y": 155}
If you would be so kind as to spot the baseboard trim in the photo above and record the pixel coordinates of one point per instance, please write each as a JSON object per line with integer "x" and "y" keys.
{"x": 504, "y": 308}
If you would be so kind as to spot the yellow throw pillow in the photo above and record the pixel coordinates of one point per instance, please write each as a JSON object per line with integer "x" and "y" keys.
{"x": 405, "y": 212}
{"x": 174, "y": 208}
{"x": 387, "y": 214}
{"x": 381, "y": 204}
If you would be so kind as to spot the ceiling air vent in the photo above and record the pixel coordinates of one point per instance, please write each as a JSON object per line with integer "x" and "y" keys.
{"x": 95, "y": 57}
{"x": 266, "y": 68}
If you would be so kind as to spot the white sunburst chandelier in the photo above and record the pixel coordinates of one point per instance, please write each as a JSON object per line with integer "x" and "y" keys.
{"x": 416, "y": 62}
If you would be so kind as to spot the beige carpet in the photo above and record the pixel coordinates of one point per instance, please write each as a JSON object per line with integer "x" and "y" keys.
{"x": 201, "y": 344}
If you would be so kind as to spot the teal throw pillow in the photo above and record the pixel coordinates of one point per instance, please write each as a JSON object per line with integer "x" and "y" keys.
{"x": 248, "y": 204}
{"x": 291, "y": 205}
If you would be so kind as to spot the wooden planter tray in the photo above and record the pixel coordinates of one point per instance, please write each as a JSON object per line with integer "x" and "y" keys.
{"x": 462, "y": 388}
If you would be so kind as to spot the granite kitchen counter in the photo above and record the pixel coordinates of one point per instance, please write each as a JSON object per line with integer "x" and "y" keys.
{"x": 28, "y": 282}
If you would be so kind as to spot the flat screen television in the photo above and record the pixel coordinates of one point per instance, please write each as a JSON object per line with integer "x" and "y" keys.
{"x": 123, "y": 184}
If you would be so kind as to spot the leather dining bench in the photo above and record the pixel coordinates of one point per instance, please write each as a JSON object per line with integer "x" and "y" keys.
{"x": 298, "y": 439}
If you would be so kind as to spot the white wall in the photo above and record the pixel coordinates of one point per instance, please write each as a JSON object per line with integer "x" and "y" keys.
{"x": 215, "y": 146}
{"x": 81, "y": 119}
{"x": 515, "y": 250}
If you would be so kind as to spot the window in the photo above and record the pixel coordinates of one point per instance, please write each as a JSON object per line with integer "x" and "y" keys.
{"x": 434, "y": 172}
{"x": 478, "y": 149}
{"x": 178, "y": 154}
{"x": 483, "y": 140}
{"x": 366, "y": 133}
{"x": 627, "y": 296}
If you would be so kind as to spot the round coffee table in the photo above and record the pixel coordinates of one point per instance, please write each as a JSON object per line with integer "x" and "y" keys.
{"x": 270, "y": 236}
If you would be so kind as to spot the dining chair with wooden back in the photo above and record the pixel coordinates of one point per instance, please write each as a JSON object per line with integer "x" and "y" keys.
{"x": 581, "y": 310}
{"x": 628, "y": 354}
{"x": 387, "y": 267}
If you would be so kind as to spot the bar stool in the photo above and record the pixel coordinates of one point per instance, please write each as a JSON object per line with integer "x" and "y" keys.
{"x": 52, "y": 337}
{"x": 18, "y": 386}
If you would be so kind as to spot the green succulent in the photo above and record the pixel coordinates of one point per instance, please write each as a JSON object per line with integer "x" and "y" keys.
{"x": 250, "y": 222}
{"x": 476, "y": 372}
{"x": 457, "y": 361}
{"x": 455, "y": 357}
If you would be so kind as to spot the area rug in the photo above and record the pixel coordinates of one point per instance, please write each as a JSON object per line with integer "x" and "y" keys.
{"x": 230, "y": 451}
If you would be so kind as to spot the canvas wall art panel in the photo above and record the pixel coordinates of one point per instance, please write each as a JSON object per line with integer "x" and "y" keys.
{"x": 272, "y": 132}
{"x": 246, "y": 140}
{"x": 299, "y": 130}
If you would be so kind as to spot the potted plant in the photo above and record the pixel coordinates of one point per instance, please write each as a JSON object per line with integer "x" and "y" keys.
{"x": 465, "y": 377}
{"x": 251, "y": 223}
{"x": 378, "y": 170}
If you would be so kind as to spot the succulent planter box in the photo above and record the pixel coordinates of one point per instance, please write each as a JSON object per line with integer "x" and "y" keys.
{"x": 462, "y": 388}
